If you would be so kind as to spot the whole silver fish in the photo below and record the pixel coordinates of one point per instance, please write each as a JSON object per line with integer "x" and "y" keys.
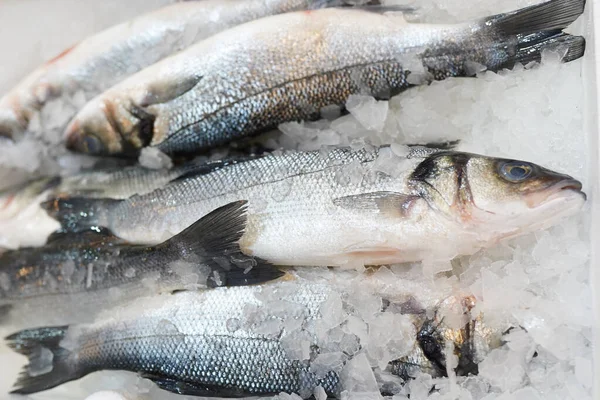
{"x": 102, "y": 60}
{"x": 232, "y": 342}
{"x": 346, "y": 207}
{"x": 79, "y": 272}
{"x": 288, "y": 67}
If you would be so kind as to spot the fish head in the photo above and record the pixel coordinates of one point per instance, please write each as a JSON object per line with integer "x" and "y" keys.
{"x": 457, "y": 329}
{"x": 497, "y": 197}
{"x": 107, "y": 127}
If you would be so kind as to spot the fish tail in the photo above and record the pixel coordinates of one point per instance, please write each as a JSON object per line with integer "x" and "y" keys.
{"x": 49, "y": 363}
{"x": 549, "y": 16}
{"x": 530, "y": 47}
{"x": 214, "y": 239}
{"x": 79, "y": 213}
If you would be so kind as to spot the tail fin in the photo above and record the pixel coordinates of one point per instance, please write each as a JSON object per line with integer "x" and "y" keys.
{"x": 214, "y": 238}
{"x": 548, "y": 16}
{"x": 78, "y": 213}
{"x": 49, "y": 364}
{"x": 530, "y": 47}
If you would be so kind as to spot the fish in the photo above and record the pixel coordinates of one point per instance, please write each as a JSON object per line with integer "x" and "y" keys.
{"x": 231, "y": 342}
{"x": 102, "y": 60}
{"x": 347, "y": 207}
{"x": 84, "y": 271}
{"x": 288, "y": 67}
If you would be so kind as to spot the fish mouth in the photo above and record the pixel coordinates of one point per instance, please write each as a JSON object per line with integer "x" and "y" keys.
{"x": 559, "y": 190}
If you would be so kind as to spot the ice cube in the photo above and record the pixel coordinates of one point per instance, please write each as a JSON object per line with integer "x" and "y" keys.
{"x": 153, "y": 158}
{"x": 368, "y": 111}
{"x": 358, "y": 379}
{"x": 326, "y": 362}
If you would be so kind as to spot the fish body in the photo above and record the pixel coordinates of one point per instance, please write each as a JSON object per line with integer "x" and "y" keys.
{"x": 102, "y": 60}
{"x": 288, "y": 67}
{"x": 230, "y": 342}
{"x": 348, "y": 207}
{"x": 97, "y": 267}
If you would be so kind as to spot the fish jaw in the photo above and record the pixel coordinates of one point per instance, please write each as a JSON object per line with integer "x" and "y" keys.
{"x": 551, "y": 211}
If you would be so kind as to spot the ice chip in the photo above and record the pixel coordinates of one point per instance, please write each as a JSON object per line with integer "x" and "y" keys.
{"x": 106, "y": 395}
{"x": 504, "y": 369}
{"x": 358, "y": 379}
{"x": 153, "y": 158}
{"x": 391, "y": 336}
{"x": 270, "y": 328}
{"x": 319, "y": 393}
{"x": 326, "y": 362}
{"x": 368, "y": 111}
{"x": 420, "y": 387}
{"x": 40, "y": 361}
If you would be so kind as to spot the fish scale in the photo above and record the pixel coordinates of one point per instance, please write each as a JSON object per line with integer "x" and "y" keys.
{"x": 200, "y": 348}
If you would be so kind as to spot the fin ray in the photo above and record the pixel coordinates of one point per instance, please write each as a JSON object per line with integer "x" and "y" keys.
{"x": 215, "y": 239}
{"x": 32, "y": 343}
{"x": 387, "y": 203}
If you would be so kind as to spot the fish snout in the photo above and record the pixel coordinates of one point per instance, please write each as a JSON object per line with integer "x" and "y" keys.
{"x": 563, "y": 187}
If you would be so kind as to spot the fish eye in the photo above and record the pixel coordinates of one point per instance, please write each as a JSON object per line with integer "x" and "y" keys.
{"x": 515, "y": 171}
{"x": 92, "y": 144}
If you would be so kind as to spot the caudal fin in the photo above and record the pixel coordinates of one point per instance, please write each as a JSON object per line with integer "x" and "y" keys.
{"x": 549, "y": 16}
{"x": 49, "y": 364}
{"x": 530, "y": 47}
{"x": 78, "y": 213}
{"x": 214, "y": 240}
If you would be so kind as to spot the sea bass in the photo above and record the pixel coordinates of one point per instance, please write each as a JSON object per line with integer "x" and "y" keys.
{"x": 102, "y": 60}
{"x": 288, "y": 67}
{"x": 289, "y": 337}
{"x": 83, "y": 272}
{"x": 349, "y": 207}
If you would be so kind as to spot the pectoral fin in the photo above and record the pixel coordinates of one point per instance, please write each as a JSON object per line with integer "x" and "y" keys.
{"x": 166, "y": 90}
{"x": 387, "y": 203}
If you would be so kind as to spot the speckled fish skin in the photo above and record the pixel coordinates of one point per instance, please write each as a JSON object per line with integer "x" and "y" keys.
{"x": 345, "y": 207}
{"x": 288, "y": 67}
{"x": 102, "y": 60}
{"x": 212, "y": 343}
